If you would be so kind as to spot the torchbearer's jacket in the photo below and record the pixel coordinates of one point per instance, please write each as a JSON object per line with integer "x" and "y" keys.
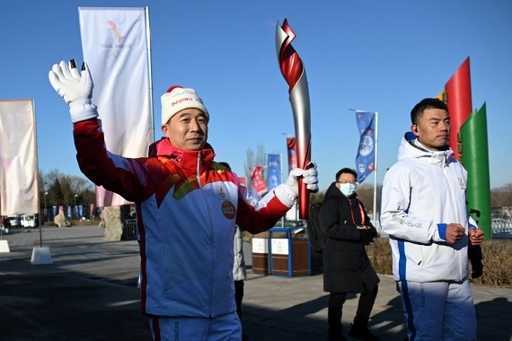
{"x": 187, "y": 206}
{"x": 422, "y": 193}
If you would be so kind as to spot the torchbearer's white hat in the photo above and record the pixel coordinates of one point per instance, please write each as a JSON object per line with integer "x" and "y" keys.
{"x": 177, "y": 98}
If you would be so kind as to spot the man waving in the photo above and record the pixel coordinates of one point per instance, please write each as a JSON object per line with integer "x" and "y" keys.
{"x": 187, "y": 205}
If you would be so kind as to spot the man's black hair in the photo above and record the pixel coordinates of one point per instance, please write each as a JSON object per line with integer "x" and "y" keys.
{"x": 426, "y": 103}
{"x": 346, "y": 170}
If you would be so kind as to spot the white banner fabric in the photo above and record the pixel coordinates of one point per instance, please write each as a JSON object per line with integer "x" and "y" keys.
{"x": 115, "y": 44}
{"x": 18, "y": 158}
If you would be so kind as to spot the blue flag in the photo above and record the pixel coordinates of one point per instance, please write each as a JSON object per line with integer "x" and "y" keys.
{"x": 365, "y": 158}
{"x": 273, "y": 170}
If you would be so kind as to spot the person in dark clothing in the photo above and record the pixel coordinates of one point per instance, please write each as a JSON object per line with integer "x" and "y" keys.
{"x": 475, "y": 257}
{"x": 347, "y": 268}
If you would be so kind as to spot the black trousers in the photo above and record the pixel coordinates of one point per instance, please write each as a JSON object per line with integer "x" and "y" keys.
{"x": 239, "y": 294}
{"x": 364, "y": 308}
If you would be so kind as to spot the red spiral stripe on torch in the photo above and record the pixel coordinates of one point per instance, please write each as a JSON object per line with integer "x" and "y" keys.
{"x": 289, "y": 60}
{"x": 293, "y": 71}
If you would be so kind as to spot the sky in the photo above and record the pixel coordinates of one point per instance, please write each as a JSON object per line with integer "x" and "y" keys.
{"x": 371, "y": 55}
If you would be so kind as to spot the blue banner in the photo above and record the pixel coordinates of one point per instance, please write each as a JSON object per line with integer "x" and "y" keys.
{"x": 273, "y": 170}
{"x": 365, "y": 158}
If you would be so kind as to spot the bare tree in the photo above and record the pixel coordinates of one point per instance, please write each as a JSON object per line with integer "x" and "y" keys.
{"x": 250, "y": 162}
{"x": 502, "y": 196}
{"x": 66, "y": 189}
{"x": 365, "y": 194}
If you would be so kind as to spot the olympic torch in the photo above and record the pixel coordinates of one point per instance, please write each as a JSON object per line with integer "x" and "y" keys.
{"x": 295, "y": 75}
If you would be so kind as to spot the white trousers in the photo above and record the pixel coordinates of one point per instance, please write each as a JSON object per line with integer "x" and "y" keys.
{"x": 438, "y": 311}
{"x": 222, "y": 328}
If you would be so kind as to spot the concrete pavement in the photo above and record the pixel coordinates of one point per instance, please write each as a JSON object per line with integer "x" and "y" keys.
{"x": 90, "y": 293}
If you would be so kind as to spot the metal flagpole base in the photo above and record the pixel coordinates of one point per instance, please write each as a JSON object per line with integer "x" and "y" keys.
{"x": 4, "y": 246}
{"x": 41, "y": 255}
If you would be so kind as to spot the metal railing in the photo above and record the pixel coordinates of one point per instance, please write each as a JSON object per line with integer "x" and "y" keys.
{"x": 502, "y": 227}
{"x": 129, "y": 229}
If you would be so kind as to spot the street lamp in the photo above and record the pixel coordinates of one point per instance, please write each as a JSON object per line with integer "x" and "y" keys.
{"x": 45, "y": 208}
{"x": 76, "y": 205}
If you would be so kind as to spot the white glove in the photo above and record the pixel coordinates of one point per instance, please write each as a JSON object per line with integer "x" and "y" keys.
{"x": 75, "y": 87}
{"x": 287, "y": 192}
{"x": 309, "y": 177}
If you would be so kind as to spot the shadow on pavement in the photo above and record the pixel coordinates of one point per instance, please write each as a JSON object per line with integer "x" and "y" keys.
{"x": 60, "y": 307}
{"x": 490, "y": 325}
{"x": 98, "y": 300}
{"x": 294, "y": 323}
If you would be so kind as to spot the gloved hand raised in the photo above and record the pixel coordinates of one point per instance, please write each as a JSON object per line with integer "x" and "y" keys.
{"x": 76, "y": 89}
{"x": 309, "y": 177}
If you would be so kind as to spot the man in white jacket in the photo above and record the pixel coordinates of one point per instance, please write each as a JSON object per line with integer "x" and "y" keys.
{"x": 424, "y": 212}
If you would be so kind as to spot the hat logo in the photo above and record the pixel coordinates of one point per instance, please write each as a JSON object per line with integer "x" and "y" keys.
{"x": 178, "y": 101}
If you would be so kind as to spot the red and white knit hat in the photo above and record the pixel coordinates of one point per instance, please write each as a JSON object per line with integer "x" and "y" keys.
{"x": 177, "y": 98}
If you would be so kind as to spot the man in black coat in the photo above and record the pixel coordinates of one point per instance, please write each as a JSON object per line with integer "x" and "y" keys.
{"x": 347, "y": 268}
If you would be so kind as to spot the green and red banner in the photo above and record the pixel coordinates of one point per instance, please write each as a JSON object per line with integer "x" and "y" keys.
{"x": 458, "y": 100}
{"x": 468, "y": 140}
{"x": 475, "y": 157}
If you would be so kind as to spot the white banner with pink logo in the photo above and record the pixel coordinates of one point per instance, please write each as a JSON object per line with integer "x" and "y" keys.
{"x": 18, "y": 158}
{"x": 116, "y": 45}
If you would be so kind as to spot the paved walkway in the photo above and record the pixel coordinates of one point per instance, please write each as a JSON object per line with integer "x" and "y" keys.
{"x": 90, "y": 293}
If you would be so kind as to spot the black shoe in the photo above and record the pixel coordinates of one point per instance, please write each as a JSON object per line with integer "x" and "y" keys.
{"x": 362, "y": 333}
{"x": 336, "y": 336}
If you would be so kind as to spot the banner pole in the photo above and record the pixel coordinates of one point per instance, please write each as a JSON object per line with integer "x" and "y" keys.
{"x": 283, "y": 175}
{"x": 375, "y": 169}
{"x": 37, "y": 173}
{"x": 150, "y": 78}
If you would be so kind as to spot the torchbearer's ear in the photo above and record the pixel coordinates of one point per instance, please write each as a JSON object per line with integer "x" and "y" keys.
{"x": 414, "y": 129}
{"x": 165, "y": 129}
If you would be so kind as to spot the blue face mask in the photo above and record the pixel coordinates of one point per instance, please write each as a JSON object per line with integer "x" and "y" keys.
{"x": 347, "y": 188}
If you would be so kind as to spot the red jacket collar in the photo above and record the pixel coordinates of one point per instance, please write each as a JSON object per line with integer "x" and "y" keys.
{"x": 186, "y": 159}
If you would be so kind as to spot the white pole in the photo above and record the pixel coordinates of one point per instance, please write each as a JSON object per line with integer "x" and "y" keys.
{"x": 148, "y": 40}
{"x": 37, "y": 175}
{"x": 281, "y": 174}
{"x": 281, "y": 169}
{"x": 375, "y": 169}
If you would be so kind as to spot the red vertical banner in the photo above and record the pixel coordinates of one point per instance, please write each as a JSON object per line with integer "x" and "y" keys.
{"x": 458, "y": 100}
{"x": 291, "y": 146}
{"x": 258, "y": 181}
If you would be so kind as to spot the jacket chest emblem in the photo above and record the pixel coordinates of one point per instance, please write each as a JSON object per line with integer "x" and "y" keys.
{"x": 228, "y": 209}
{"x": 462, "y": 184}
